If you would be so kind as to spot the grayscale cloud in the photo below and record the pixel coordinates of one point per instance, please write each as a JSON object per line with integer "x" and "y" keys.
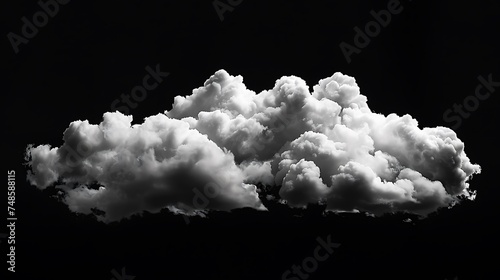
{"x": 326, "y": 146}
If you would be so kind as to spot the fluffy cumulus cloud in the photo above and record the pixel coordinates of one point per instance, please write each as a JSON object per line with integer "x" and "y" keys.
{"x": 214, "y": 146}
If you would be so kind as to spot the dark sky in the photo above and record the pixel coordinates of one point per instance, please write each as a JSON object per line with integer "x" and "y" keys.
{"x": 426, "y": 59}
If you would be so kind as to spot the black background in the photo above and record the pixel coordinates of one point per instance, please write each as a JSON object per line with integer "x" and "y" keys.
{"x": 427, "y": 59}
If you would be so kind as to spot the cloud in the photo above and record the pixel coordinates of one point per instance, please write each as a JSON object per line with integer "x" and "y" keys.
{"x": 159, "y": 163}
{"x": 324, "y": 146}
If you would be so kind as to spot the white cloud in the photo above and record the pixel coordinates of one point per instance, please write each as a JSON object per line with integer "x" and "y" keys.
{"x": 324, "y": 146}
{"x": 150, "y": 166}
